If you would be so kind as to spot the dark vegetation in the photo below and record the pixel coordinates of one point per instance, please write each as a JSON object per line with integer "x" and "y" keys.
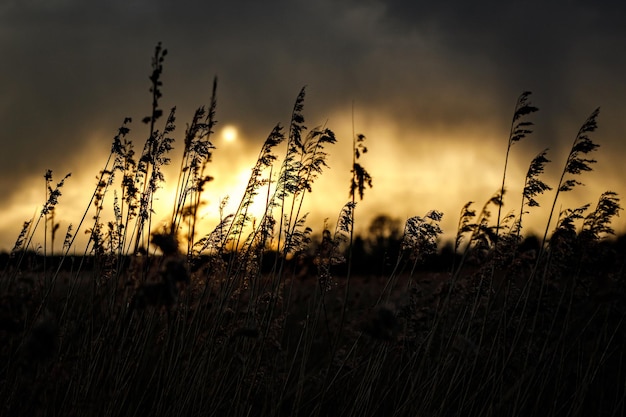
{"x": 260, "y": 317}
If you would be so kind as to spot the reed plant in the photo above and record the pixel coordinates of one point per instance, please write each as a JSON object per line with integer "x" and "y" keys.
{"x": 268, "y": 317}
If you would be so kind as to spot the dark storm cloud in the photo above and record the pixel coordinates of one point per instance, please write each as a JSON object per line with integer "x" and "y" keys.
{"x": 541, "y": 43}
{"x": 70, "y": 68}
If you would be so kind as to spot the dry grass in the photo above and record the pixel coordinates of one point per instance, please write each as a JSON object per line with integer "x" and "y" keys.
{"x": 260, "y": 317}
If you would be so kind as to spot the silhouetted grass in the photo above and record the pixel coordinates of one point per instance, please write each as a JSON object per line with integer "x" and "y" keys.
{"x": 263, "y": 317}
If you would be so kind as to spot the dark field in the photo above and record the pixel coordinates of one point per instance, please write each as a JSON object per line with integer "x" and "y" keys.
{"x": 481, "y": 342}
{"x": 261, "y": 317}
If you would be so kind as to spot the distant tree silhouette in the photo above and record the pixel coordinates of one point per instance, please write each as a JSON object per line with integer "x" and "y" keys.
{"x": 383, "y": 241}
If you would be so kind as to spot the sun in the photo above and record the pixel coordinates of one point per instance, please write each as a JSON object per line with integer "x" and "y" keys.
{"x": 229, "y": 133}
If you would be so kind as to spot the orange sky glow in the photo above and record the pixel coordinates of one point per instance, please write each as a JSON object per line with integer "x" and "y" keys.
{"x": 430, "y": 170}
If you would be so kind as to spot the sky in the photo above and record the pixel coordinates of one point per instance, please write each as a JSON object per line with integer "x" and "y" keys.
{"x": 432, "y": 86}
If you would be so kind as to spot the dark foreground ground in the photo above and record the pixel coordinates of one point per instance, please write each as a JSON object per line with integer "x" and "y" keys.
{"x": 492, "y": 340}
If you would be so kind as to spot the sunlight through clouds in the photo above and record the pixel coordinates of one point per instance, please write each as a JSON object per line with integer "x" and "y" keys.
{"x": 229, "y": 133}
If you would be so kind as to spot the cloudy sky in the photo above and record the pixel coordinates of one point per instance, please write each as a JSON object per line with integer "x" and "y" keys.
{"x": 432, "y": 85}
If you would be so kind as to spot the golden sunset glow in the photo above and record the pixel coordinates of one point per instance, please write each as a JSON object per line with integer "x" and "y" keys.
{"x": 229, "y": 133}
{"x": 413, "y": 172}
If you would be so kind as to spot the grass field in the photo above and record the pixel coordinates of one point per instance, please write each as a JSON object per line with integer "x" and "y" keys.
{"x": 261, "y": 317}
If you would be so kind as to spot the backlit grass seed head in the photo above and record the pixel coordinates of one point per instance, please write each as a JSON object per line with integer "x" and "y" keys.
{"x": 121, "y": 147}
{"x": 562, "y": 243}
{"x": 346, "y": 218}
{"x": 421, "y": 235}
{"x": 53, "y": 194}
{"x": 583, "y": 145}
{"x": 533, "y": 185}
{"x": 519, "y": 130}
{"x": 313, "y": 158}
{"x": 264, "y": 161}
{"x": 484, "y": 234}
{"x": 297, "y": 120}
{"x": 599, "y": 221}
{"x": 575, "y": 164}
{"x": 465, "y": 224}
{"x": 298, "y": 238}
{"x": 361, "y": 179}
{"x": 568, "y": 217}
{"x": 217, "y": 239}
{"x": 68, "y": 238}
{"x": 155, "y": 79}
{"x": 288, "y": 179}
{"x": 19, "y": 242}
